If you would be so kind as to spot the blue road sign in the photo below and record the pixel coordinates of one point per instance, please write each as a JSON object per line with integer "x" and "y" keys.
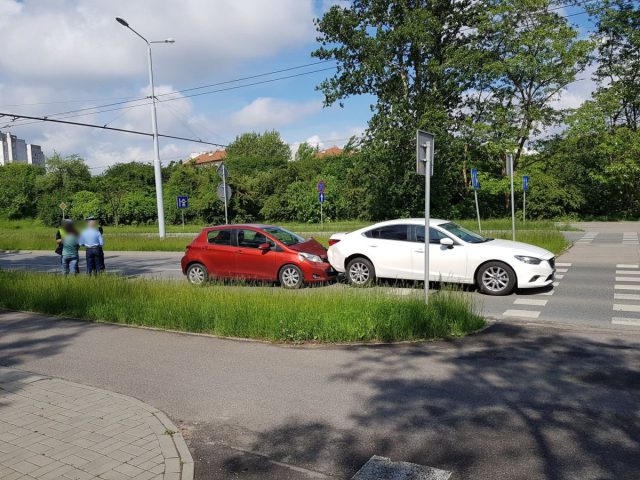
{"x": 182, "y": 201}
{"x": 321, "y": 186}
{"x": 321, "y": 197}
{"x": 525, "y": 182}
{"x": 474, "y": 179}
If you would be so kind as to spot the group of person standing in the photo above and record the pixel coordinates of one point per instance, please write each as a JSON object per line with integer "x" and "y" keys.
{"x": 69, "y": 241}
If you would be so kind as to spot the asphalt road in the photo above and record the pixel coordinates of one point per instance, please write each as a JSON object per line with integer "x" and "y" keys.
{"x": 588, "y": 290}
{"x": 551, "y": 394}
{"x": 514, "y": 402}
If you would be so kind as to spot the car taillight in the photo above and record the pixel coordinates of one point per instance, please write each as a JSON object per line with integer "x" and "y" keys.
{"x": 333, "y": 241}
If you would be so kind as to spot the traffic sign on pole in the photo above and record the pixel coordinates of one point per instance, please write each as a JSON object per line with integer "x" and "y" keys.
{"x": 182, "y": 201}
{"x": 424, "y": 166}
{"x": 321, "y": 186}
{"x": 321, "y": 197}
{"x": 525, "y": 182}
{"x": 474, "y": 179}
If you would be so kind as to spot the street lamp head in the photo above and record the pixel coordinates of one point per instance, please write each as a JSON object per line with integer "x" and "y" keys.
{"x": 170, "y": 40}
{"x": 122, "y": 21}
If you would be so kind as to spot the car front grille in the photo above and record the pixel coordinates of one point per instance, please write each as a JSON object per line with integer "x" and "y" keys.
{"x": 552, "y": 262}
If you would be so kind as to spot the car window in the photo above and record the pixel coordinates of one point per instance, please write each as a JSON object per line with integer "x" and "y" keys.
{"x": 219, "y": 237}
{"x": 285, "y": 236}
{"x": 389, "y": 232}
{"x": 463, "y": 233}
{"x": 252, "y": 238}
{"x": 434, "y": 235}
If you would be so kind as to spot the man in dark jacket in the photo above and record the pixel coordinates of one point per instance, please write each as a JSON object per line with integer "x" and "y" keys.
{"x": 100, "y": 258}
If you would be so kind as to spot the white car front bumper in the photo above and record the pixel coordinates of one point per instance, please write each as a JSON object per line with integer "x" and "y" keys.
{"x": 535, "y": 276}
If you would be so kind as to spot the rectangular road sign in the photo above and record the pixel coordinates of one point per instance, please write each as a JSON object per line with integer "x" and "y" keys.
{"x": 182, "y": 201}
{"x": 474, "y": 179}
{"x": 525, "y": 182}
{"x": 321, "y": 197}
{"x": 321, "y": 186}
{"x": 424, "y": 146}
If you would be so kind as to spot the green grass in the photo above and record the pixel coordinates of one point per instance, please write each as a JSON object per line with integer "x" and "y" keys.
{"x": 311, "y": 315}
{"x": 32, "y": 235}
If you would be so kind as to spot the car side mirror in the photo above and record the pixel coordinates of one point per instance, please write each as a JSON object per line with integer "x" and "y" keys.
{"x": 447, "y": 242}
{"x": 264, "y": 247}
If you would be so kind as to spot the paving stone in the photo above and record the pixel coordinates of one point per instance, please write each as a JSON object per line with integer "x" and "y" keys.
{"x": 54, "y": 429}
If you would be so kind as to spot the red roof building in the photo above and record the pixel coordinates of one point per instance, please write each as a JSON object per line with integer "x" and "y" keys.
{"x": 329, "y": 152}
{"x": 208, "y": 158}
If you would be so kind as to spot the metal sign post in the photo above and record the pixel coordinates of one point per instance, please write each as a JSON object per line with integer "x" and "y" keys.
{"x": 525, "y": 187}
{"x": 513, "y": 205}
{"x": 63, "y": 207}
{"x": 222, "y": 172}
{"x": 476, "y": 186}
{"x": 321, "y": 201}
{"x": 321, "y": 187}
{"x": 424, "y": 166}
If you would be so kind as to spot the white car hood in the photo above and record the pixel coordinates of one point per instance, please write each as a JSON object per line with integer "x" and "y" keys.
{"x": 519, "y": 248}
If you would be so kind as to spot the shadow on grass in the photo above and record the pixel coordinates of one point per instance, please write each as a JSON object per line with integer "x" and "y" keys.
{"x": 510, "y": 403}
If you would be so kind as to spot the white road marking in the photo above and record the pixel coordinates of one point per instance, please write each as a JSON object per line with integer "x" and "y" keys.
{"x": 521, "y": 313}
{"x": 626, "y": 287}
{"x": 626, "y": 308}
{"x": 563, "y": 264}
{"x": 627, "y": 272}
{"x": 627, "y": 279}
{"x": 634, "y": 322}
{"x": 559, "y": 277}
{"x": 550, "y": 292}
{"x": 556, "y": 284}
{"x": 625, "y": 265}
{"x": 626, "y": 296}
{"x": 562, "y": 270}
{"x": 530, "y": 301}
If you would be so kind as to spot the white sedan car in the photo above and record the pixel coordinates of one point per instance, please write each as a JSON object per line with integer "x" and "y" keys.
{"x": 395, "y": 249}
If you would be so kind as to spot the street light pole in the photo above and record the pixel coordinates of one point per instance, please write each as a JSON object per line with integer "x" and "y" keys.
{"x": 157, "y": 167}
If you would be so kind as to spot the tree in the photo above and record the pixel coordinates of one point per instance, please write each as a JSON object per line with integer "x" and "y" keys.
{"x": 121, "y": 179}
{"x": 618, "y": 24}
{"x": 529, "y": 54}
{"x": 252, "y": 152}
{"x": 415, "y": 58}
{"x": 18, "y": 193}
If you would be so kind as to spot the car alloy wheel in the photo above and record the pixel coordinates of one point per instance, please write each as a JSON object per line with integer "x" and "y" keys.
{"x": 291, "y": 277}
{"x": 495, "y": 279}
{"x": 197, "y": 274}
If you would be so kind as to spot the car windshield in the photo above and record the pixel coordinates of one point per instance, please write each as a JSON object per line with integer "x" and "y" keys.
{"x": 463, "y": 234}
{"x": 285, "y": 236}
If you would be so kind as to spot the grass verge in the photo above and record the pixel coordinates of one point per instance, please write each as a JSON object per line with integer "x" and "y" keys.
{"x": 314, "y": 315}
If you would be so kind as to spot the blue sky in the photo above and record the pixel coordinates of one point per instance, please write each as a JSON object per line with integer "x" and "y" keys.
{"x": 77, "y": 56}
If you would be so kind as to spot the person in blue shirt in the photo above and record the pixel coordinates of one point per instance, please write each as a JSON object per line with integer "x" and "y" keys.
{"x": 91, "y": 239}
{"x": 101, "y": 266}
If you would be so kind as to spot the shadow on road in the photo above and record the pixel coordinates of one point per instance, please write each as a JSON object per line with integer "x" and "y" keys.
{"x": 511, "y": 403}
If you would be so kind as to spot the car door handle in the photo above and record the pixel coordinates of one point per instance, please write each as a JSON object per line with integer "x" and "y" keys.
{"x": 373, "y": 246}
{"x": 419, "y": 251}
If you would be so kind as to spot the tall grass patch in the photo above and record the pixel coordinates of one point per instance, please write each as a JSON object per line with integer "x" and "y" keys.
{"x": 331, "y": 314}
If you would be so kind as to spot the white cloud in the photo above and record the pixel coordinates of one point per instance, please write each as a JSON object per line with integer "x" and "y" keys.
{"x": 79, "y": 40}
{"x": 266, "y": 113}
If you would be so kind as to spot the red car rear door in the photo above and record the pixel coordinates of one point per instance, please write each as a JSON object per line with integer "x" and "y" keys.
{"x": 250, "y": 261}
{"x": 220, "y": 253}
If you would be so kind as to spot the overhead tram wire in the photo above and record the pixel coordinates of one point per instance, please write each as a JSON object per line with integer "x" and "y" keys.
{"x": 235, "y": 87}
{"x": 103, "y": 127}
{"x": 145, "y": 99}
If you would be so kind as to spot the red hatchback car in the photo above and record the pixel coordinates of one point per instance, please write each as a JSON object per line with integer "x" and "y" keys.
{"x": 256, "y": 252}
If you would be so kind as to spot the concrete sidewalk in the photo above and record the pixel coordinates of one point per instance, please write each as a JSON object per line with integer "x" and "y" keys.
{"x": 55, "y": 429}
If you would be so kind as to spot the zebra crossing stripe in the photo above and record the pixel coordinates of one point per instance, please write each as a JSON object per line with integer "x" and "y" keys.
{"x": 627, "y": 279}
{"x": 626, "y": 296}
{"x": 633, "y": 322}
{"x": 559, "y": 264}
{"x": 562, "y": 270}
{"x": 626, "y": 308}
{"x": 521, "y": 313}
{"x": 626, "y": 287}
{"x": 530, "y": 301}
{"x": 625, "y": 265}
{"x": 627, "y": 272}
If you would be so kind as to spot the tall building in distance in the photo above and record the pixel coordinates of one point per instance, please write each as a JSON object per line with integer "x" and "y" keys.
{"x": 16, "y": 150}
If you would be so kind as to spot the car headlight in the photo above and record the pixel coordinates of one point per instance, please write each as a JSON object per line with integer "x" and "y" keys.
{"x": 309, "y": 257}
{"x": 529, "y": 260}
